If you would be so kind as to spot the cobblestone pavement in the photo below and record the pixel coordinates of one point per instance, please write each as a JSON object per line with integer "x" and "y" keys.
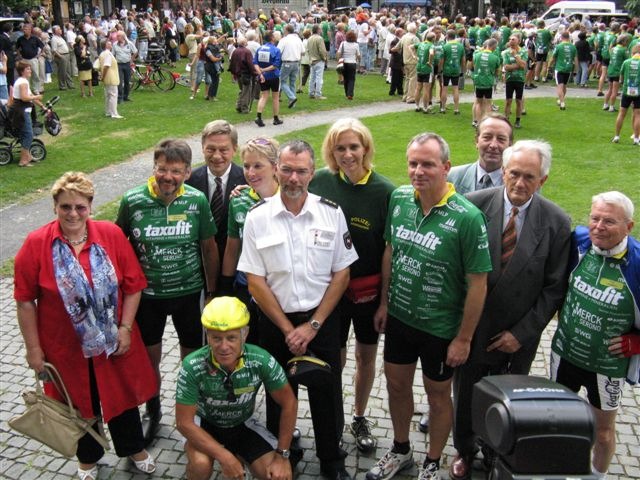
{"x": 24, "y": 459}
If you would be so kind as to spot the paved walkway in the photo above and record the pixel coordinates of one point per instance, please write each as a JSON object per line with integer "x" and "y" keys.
{"x": 24, "y": 459}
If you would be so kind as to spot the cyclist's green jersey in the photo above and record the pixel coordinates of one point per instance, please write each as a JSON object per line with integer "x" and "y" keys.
{"x": 631, "y": 76}
{"x": 618, "y": 55}
{"x": 565, "y": 54}
{"x": 431, "y": 256}
{"x": 424, "y": 50}
{"x": 166, "y": 238}
{"x": 484, "y": 34}
{"x": 543, "y": 40}
{"x": 509, "y": 58}
{"x": 485, "y": 65}
{"x": 453, "y": 52}
{"x": 437, "y": 51}
{"x": 598, "y": 307}
{"x": 505, "y": 33}
{"x": 473, "y": 35}
{"x": 227, "y": 27}
{"x": 608, "y": 40}
{"x": 201, "y": 382}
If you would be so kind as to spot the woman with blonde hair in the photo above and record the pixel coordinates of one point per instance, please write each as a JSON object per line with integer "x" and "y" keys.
{"x": 350, "y": 181}
{"x": 259, "y": 157}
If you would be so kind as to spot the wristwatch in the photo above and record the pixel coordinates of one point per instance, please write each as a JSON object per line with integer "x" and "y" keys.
{"x": 286, "y": 453}
{"x": 315, "y": 324}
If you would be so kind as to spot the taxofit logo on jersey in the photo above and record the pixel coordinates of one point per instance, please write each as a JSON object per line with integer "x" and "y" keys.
{"x": 428, "y": 240}
{"x": 179, "y": 229}
{"x": 609, "y": 295}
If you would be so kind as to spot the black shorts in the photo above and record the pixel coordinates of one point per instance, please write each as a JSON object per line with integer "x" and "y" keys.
{"x": 603, "y": 392}
{"x": 361, "y": 314}
{"x": 272, "y": 84}
{"x": 605, "y": 62}
{"x": 250, "y": 440}
{"x": 453, "y": 81}
{"x": 598, "y": 56}
{"x": 436, "y": 70}
{"x": 562, "y": 78}
{"x": 541, "y": 57}
{"x": 484, "y": 93}
{"x": 423, "y": 77}
{"x": 404, "y": 345}
{"x": 185, "y": 312}
{"x": 614, "y": 79}
{"x": 514, "y": 87}
{"x": 626, "y": 102}
{"x": 531, "y": 65}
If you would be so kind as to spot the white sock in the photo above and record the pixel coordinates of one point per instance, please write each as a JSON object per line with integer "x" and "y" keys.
{"x": 600, "y": 475}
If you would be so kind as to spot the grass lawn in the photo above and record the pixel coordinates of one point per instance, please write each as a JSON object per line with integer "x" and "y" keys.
{"x": 90, "y": 141}
{"x": 584, "y": 160}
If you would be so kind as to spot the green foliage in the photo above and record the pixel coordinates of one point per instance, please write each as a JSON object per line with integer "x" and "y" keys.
{"x": 633, "y": 7}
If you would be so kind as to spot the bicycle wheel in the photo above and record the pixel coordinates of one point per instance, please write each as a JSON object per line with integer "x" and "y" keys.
{"x": 184, "y": 80}
{"x": 163, "y": 79}
{"x": 5, "y": 155}
{"x": 136, "y": 76}
{"x": 38, "y": 151}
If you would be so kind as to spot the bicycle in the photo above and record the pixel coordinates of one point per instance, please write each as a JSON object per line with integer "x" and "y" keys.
{"x": 152, "y": 74}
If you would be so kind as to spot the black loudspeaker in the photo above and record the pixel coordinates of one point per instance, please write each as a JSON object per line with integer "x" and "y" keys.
{"x": 535, "y": 427}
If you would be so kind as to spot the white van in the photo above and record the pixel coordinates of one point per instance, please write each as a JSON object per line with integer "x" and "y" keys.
{"x": 575, "y": 7}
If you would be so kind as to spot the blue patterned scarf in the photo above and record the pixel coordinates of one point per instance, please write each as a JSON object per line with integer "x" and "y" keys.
{"x": 92, "y": 310}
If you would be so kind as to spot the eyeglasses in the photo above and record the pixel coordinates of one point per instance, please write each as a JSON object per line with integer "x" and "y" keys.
{"x": 228, "y": 386}
{"x": 67, "y": 208}
{"x": 607, "y": 222}
{"x": 301, "y": 172}
{"x": 171, "y": 171}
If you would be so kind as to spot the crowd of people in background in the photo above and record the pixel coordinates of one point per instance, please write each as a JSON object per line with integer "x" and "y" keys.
{"x": 425, "y": 58}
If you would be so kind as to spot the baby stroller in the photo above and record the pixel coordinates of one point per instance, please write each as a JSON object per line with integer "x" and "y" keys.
{"x": 10, "y": 139}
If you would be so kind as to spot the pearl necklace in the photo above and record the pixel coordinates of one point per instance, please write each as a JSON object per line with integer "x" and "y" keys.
{"x": 75, "y": 243}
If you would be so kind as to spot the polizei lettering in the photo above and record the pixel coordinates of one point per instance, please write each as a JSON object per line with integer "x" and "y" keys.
{"x": 428, "y": 240}
{"x": 609, "y": 295}
{"x": 180, "y": 228}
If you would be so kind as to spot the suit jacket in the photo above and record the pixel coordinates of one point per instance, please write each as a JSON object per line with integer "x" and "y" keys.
{"x": 464, "y": 178}
{"x": 199, "y": 179}
{"x": 525, "y": 296}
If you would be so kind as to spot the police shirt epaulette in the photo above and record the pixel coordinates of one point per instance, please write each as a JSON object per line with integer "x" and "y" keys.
{"x": 261, "y": 202}
{"x": 326, "y": 201}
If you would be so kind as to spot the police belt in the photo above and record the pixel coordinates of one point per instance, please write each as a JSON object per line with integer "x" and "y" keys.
{"x": 298, "y": 318}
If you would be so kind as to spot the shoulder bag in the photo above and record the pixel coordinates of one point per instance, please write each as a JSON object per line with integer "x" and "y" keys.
{"x": 58, "y": 425}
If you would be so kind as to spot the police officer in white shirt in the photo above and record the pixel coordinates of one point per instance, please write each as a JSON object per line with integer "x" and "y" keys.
{"x": 296, "y": 253}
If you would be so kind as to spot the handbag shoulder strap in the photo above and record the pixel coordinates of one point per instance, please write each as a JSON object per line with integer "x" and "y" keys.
{"x": 55, "y": 377}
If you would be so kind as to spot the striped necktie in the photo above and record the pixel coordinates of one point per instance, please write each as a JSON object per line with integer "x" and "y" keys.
{"x": 217, "y": 204}
{"x": 509, "y": 239}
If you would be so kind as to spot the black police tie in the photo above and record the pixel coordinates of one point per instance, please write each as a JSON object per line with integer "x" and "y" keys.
{"x": 217, "y": 204}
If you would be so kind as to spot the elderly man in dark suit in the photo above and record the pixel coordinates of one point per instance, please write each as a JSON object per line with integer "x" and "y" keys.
{"x": 220, "y": 175}
{"x": 529, "y": 241}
